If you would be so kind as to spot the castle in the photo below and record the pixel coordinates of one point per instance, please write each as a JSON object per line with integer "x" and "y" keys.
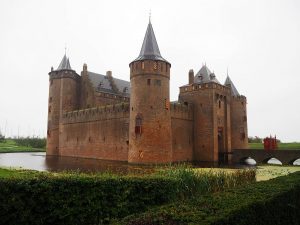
{"x": 99, "y": 116}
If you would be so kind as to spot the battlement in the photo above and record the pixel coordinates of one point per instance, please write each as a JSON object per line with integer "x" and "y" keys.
{"x": 196, "y": 87}
{"x": 107, "y": 112}
{"x": 63, "y": 74}
{"x": 239, "y": 98}
{"x": 181, "y": 110}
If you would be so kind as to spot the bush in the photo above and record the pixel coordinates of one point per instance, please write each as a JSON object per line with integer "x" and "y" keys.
{"x": 273, "y": 202}
{"x": 33, "y": 142}
{"x": 2, "y": 138}
{"x": 41, "y": 198}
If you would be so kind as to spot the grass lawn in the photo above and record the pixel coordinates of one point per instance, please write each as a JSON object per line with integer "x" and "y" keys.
{"x": 264, "y": 172}
{"x": 281, "y": 146}
{"x": 11, "y": 146}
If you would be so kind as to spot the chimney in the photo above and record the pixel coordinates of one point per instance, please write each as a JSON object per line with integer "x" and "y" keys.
{"x": 85, "y": 67}
{"x": 109, "y": 73}
{"x": 191, "y": 76}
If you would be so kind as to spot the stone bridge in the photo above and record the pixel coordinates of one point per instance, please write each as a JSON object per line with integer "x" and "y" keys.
{"x": 286, "y": 157}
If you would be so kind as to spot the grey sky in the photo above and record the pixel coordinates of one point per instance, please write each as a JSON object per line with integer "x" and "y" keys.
{"x": 259, "y": 41}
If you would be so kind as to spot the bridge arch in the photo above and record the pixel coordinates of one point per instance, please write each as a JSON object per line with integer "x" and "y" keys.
{"x": 295, "y": 162}
{"x": 248, "y": 161}
{"x": 274, "y": 159}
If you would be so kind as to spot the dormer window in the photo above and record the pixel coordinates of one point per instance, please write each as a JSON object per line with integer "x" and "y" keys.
{"x": 212, "y": 76}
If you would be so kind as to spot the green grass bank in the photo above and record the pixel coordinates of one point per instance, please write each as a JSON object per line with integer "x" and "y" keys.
{"x": 281, "y": 146}
{"x": 10, "y": 146}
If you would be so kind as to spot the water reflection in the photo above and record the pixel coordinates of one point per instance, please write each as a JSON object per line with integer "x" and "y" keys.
{"x": 39, "y": 161}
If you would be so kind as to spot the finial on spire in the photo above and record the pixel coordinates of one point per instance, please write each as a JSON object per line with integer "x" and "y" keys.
{"x": 65, "y": 49}
{"x": 150, "y": 16}
{"x": 227, "y": 71}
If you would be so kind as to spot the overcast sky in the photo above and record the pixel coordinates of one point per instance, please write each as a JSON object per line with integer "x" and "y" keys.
{"x": 259, "y": 42}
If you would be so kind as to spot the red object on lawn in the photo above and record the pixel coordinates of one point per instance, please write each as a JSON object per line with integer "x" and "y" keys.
{"x": 270, "y": 143}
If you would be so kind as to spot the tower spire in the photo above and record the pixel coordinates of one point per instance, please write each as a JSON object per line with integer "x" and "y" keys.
{"x": 150, "y": 16}
{"x": 150, "y": 49}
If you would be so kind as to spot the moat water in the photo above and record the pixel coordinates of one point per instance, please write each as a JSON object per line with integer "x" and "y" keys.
{"x": 39, "y": 161}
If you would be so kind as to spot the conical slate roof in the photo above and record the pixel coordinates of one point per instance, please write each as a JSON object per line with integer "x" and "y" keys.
{"x": 204, "y": 75}
{"x": 229, "y": 83}
{"x": 64, "y": 64}
{"x": 150, "y": 48}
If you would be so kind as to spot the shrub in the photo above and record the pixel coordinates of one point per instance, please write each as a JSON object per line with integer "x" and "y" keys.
{"x": 273, "y": 202}
{"x": 2, "y": 138}
{"x": 34, "y": 142}
{"x": 41, "y": 198}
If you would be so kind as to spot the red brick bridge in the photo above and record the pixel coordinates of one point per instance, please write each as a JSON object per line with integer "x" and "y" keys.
{"x": 286, "y": 157}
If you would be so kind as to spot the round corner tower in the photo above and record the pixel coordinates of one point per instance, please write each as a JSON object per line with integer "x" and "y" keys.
{"x": 150, "y": 119}
{"x": 63, "y": 86}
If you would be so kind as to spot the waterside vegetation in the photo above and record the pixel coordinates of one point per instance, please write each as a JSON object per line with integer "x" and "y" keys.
{"x": 30, "y": 197}
{"x": 28, "y": 144}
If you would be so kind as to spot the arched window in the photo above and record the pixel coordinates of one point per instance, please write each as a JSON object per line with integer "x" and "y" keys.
{"x": 138, "y": 124}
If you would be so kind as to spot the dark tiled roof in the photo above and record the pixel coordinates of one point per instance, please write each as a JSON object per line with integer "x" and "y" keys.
{"x": 102, "y": 83}
{"x": 150, "y": 48}
{"x": 204, "y": 75}
{"x": 229, "y": 83}
{"x": 64, "y": 64}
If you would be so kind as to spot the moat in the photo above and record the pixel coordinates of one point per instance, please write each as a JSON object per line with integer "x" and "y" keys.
{"x": 39, "y": 161}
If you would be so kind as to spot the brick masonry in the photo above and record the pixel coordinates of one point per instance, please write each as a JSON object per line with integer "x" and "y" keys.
{"x": 204, "y": 125}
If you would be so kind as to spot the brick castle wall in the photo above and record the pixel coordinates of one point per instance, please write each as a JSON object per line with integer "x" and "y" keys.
{"x": 100, "y": 133}
{"x": 63, "y": 96}
{"x": 150, "y": 121}
{"x": 182, "y": 132}
{"x": 239, "y": 129}
{"x": 211, "y": 117}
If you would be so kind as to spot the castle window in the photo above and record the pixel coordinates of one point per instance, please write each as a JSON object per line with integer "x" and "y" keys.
{"x": 158, "y": 82}
{"x": 155, "y": 66}
{"x": 143, "y": 65}
{"x": 138, "y": 124}
{"x": 49, "y": 109}
{"x": 167, "y": 104}
{"x": 242, "y": 133}
{"x": 219, "y": 104}
{"x": 244, "y": 118}
{"x": 148, "y": 81}
{"x": 50, "y": 99}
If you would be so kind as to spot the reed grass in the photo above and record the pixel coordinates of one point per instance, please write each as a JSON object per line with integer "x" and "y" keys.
{"x": 193, "y": 181}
